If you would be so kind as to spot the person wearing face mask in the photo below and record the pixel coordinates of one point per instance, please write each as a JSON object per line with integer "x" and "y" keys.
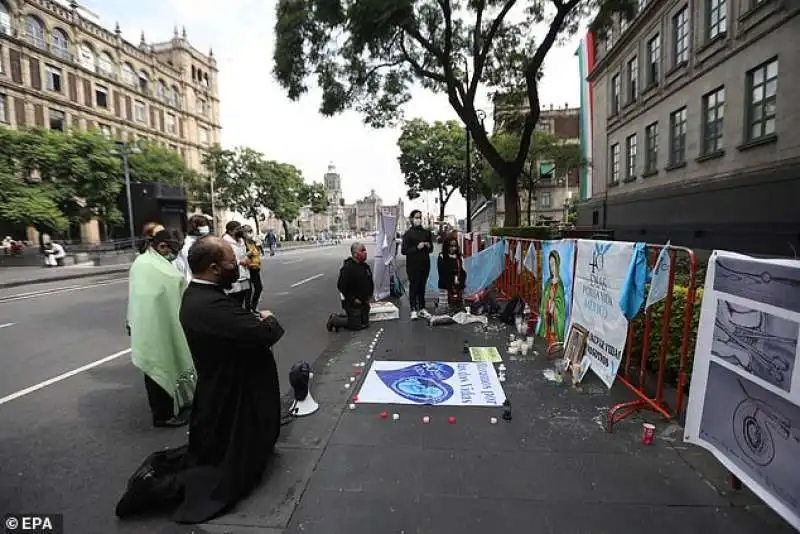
{"x": 356, "y": 288}
{"x": 234, "y": 236}
{"x": 452, "y": 276}
{"x": 158, "y": 345}
{"x": 417, "y": 247}
{"x": 197, "y": 228}
{"x": 236, "y": 419}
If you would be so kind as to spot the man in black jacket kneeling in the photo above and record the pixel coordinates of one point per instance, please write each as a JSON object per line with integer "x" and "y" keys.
{"x": 356, "y": 287}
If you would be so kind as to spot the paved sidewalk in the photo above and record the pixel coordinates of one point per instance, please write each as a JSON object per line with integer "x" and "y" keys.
{"x": 21, "y": 276}
{"x": 552, "y": 469}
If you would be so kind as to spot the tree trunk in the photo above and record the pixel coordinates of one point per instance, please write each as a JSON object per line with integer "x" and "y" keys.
{"x": 511, "y": 196}
{"x": 285, "y": 230}
{"x": 442, "y": 204}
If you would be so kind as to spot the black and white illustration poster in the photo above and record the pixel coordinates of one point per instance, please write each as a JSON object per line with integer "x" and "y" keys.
{"x": 744, "y": 398}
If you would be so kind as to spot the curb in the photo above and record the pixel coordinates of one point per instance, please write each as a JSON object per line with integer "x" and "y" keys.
{"x": 61, "y": 278}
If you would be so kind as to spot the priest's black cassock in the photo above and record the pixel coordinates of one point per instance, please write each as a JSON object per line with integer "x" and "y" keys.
{"x": 235, "y": 418}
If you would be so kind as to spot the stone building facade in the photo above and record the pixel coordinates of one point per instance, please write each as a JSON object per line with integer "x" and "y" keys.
{"x": 694, "y": 126}
{"x": 61, "y": 69}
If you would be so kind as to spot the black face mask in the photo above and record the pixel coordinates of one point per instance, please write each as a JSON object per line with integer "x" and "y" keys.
{"x": 228, "y": 276}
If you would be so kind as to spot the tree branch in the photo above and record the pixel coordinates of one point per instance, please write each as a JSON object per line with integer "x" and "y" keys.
{"x": 421, "y": 71}
{"x": 447, "y": 11}
{"x": 482, "y": 54}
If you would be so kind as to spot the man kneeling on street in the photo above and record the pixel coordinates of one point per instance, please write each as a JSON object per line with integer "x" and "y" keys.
{"x": 356, "y": 287}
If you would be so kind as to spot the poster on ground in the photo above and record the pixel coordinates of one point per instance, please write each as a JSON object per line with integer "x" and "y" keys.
{"x": 556, "y": 301}
{"x": 435, "y": 383}
{"x": 744, "y": 399}
{"x": 601, "y": 268}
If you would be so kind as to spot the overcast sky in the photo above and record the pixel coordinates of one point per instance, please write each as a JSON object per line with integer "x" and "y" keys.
{"x": 256, "y": 112}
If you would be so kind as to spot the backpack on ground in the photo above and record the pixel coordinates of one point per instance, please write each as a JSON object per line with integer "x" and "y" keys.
{"x": 514, "y": 307}
{"x": 396, "y": 287}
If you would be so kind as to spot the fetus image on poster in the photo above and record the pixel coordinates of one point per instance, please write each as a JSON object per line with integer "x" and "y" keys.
{"x": 756, "y": 426}
{"x": 760, "y": 343}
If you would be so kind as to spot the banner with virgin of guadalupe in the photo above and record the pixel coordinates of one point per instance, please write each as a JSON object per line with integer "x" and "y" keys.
{"x": 557, "y": 270}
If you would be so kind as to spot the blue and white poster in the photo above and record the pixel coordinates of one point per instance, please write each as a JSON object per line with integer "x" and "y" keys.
{"x": 432, "y": 383}
{"x": 600, "y": 272}
{"x": 557, "y": 261}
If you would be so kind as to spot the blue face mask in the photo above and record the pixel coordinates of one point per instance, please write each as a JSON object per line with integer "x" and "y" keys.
{"x": 203, "y": 230}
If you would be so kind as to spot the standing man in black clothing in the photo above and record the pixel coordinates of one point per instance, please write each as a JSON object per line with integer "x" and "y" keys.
{"x": 356, "y": 287}
{"x": 417, "y": 248}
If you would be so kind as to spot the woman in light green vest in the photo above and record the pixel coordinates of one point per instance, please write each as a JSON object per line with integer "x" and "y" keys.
{"x": 158, "y": 345}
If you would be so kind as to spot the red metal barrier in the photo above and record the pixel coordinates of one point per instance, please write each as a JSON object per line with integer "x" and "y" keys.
{"x": 637, "y": 361}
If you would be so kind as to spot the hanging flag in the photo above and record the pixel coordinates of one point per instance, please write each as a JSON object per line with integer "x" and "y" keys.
{"x": 659, "y": 282}
{"x": 530, "y": 259}
{"x": 632, "y": 294}
{"x": 507, "y": 248}
{"x": 518, "y": 257}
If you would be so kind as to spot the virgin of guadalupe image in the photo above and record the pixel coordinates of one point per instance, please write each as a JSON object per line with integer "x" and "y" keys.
{"x": 554, "y": 303}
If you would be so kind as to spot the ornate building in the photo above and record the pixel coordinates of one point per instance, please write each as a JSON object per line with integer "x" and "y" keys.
{"x": 336, "y": 214}
{"x": 60, "y": 69}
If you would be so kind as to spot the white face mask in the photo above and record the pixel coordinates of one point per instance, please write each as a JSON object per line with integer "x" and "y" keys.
{"x": 203, "y": 230}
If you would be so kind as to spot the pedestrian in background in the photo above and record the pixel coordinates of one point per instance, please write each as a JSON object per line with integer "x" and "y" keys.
{"x": 197, "y": 227}
{"x": 417, "y": 247}
{"x": 254, "y": 253}
{"x": 234, "y": 236}
{"x": 158, "y": 345}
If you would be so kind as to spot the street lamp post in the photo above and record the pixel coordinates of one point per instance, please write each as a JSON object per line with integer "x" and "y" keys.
{"x": 123, "y": 150}
{"x": 468, "y": 186}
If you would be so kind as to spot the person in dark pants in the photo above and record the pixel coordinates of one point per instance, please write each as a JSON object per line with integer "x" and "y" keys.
{"x": 452, "y": 276}
{"x": 254, "y": 253}
{"x": 356, "y": 287}
{"x": 417, "y": 247}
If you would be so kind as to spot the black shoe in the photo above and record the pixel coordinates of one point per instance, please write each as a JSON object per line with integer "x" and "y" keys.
{"x": 179, "y": 420}
{"x": 330, "y": 325}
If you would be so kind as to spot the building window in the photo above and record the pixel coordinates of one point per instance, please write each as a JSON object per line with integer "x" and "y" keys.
{"x": 615, "y": 94}
{"x": 651, "y": 148}
{"x": 3, "y": 113}
{"x": 615, "y": 163}
{"x": 717, "y": 18}
{"x": 630, "y": 150}
{"x": 171, "y": 123}
{"x": 105, "y": 64}
{"x": 677, "y": 137}
{"x": 59, "y": 44}
{"x": 101, "y": 96}
{"x": 202, "y": 135}
{"x": 144, "y": 82}
{"x": 633, "y": 79}
{"x": 53, "y": 76}
{"x": 201, "y": 106}
{"x": 653, "y": 60}
{"x": 176, "y": 97}
{"x": 546, "y": 199}
{"x": 680, "y": 34}
{"x": 5, "y": 20}
{"x": 713, "y": 114}
{"x": 86, "y": 56}
{"x": 763, "y": 86}
{"x": 34, "y": 31}
{"x": 58, "y": 120}
{"x": 162, "y": 90}
{"x": 128, "y": 75}
{"x": 139, "y": 111}
{"x": 105, "y": 130}
{"x": 174, "y": 148}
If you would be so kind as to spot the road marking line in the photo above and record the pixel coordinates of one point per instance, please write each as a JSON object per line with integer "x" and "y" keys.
{"x": 290, "y": 262}
{"x": 7, "y": 325}
{"x": 64, "y": 376}
{"x": 306, "y": 280}
{"x": 56, "y": 291}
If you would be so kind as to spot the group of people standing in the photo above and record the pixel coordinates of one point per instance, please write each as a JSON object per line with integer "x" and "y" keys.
{"x": 207, "y": 361}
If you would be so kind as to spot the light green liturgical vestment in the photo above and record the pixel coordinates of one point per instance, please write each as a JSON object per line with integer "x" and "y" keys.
{"x": 158, "y": 345}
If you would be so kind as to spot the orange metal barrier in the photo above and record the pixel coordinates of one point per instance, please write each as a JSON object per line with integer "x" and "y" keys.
{"x": 640, "y": 357}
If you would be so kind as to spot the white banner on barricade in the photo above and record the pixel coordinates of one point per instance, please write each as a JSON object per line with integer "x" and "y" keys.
{"x": 383, "y": 267}
{"x": 744, "y": 399}
{"x": 600, "y": 272}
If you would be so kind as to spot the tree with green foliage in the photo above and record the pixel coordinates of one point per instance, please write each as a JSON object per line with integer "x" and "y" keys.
{"x": 155, "y": 163}
{"x": 432, "y": 158}
{"x": 368, "y": 54}
{"x": 316, "y": 196}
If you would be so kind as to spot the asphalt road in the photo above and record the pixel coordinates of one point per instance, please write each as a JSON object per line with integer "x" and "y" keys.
{"x": 69, "y": 443}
